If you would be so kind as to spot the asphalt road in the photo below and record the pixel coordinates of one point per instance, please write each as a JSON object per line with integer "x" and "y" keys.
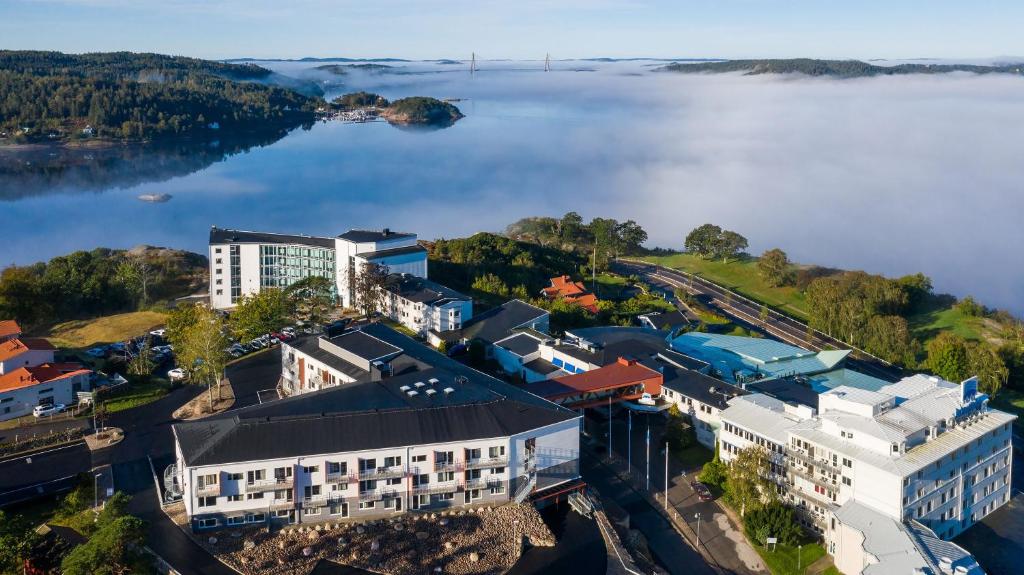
{"x": 747, "y": 313}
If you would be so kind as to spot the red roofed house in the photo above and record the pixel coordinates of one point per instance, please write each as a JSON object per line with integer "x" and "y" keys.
{"x": 624, "y": 380}
{"x": 9, "y": 329}
{"x": 30, "y": 377}
{"x": 563, "y": 287}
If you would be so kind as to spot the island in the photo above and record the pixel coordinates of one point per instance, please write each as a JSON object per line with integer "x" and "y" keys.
{"x": 416, "y": 110}
{"x": 835, "y": 68}
{"x": 56, "y": 98}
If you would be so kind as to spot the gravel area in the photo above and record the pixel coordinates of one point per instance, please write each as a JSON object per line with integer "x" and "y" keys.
{"x": 478, "y": 541}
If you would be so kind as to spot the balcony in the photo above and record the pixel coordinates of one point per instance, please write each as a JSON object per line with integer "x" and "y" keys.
{"x": 431, "y": 488}
{"x": 279, "y": 504}
{"x": 476, "y": 483}
{"x": 317, "y": 501}
{"x": 269, "y": 484}
{"x": 376, "y": 494}
{"x": 208, "y": 490}
{"x": 484, "y": 463}
{"x": 448, "y": 466}
{"x": 342, "y": 478}
{"x": 382, "y": 472}
{"x": 823, "y": 463}
{"x": 816, "y": 479}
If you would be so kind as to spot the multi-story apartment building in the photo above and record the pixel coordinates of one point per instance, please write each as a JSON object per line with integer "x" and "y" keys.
{"x": 244, "y": 262}
{"x": 425, "y": 306}
{"x": 922, "y": 450}
{"x": 438, "y": 435}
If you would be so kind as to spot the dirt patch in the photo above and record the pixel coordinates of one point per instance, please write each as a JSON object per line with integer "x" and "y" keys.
{"x": 199, "y": 406}
{"x": 105, "y": 438}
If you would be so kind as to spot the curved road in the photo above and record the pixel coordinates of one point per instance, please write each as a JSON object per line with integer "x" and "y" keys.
{"x": 747, "y": 312}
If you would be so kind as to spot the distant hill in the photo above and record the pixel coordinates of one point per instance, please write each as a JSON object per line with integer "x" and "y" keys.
{"x": 56, "y": 97}
{"x": 836, "y": 68}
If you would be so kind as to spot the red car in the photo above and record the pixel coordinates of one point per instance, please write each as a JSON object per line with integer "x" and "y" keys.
{"x": 702, "y": 491}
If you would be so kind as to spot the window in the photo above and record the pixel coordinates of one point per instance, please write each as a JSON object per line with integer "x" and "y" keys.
{"x": 394, "y": 481}
{"x": 220, "y": 292}
{"x": 311, "y": 491}
{"x": 209, "y": 522}
{"x": 310, "y": 469}
{"x": 207, "y": 501}
{"x": 334, "y": 467}
{"x": 282, "y": 473}
{"x": 338, "y": 508}
{"x": 313, "y": 511}
{"x": 251, "y": 496}
{"x": 445, "y": 476}
{"x": 846, "y": 481}
{"x": 234, "y": 476}
{"x": 473, "y": 494}
{"x": 367, "y": 485}
{"x": 236, "y": 520}
{"x": 497, "y": 470}
{"x": 392, "y": 461}
{"x": 367, "y": 504}
{"x": 847, "y": 462}
{"x": 368, "y": 464}
{"x": 256, "y": 475}
{"x": 283, "y": 494}
{"x": 419, "y": 458}
{"x": 256, "y": 517}
{"x": 494, "y": 452}
{"x": 236, "y": 497}
{"x": 497, "y": 489}
{"x": 445, "y": 496}
{"x": 391, "y": 503}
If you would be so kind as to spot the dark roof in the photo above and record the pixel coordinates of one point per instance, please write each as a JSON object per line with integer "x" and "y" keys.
{"x": 393, "y": 252}
{"x": 667, "y": 320}
{"x": 421, "y": 290}
{"x": 683, "y": 360}
{"x": 541, "y": 366}
{"x": 360, "y": 236}
{"x": 786, "y": 390}
{"x": 225, "y": 236}
{"x": 694, "y": 384}
{"x": 364, "y": 345}
{"x": 360, "y": 416}
{"x": 310, "y": 345}
{"x": 520, "y": 344}
{"x": 495, "y": 324}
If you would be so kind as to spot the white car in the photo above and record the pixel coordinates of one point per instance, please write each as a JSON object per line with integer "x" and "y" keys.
{"x": 158, "y": 332}
{"x": 177, "y": 374}
{"x": 47, "y": 410}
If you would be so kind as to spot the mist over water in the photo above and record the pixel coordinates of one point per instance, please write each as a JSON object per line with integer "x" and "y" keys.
{"x": 892, "y": 174}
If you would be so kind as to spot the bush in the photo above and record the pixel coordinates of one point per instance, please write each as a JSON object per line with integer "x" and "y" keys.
{"x": 678, "y": 433}
{"x": 773, "y": 520}
{"x": 714, "y": 472}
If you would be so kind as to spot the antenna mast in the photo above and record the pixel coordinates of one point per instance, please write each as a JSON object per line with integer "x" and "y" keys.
{"x": 472, "y": 64}
{"x": 547, "y": 62}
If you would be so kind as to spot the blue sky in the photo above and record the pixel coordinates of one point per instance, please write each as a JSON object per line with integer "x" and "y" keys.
{"x": 861, "y": 29}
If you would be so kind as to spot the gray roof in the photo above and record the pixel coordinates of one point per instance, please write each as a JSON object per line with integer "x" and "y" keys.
{"x": 371, "y": 415}
{"x": 495, "y": 324}
{"x": 421, "y": 290}
{"x": 683, "y": 360}
{"x": 361, "y": 236}
{"x": 694, "y": 384}
{"x": 786, "y": 390}
{"x": 520, "y": 344}
{"x": 667, "y": 320}
{"x": 310, "y": 345}
{"x": 542, "y": 366}
{"x": 226, "y": 236}
{"x": 393, "y": 252}
{"x": 611, "y": 343}
{"x": 364, "y": 345}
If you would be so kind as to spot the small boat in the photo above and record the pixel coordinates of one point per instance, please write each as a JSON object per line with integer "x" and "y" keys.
{"x": 155, "y": 198}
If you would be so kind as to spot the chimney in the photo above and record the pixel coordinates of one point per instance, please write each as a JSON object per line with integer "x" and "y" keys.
{"x": 627, "y": 361}
{"x": 386, "y": 232}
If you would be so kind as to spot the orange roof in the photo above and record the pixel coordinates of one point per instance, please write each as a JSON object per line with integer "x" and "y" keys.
{"x": 587, "y": 301}
{"x": 16, "y": 346}
{"x": 45, "y": 373}
{"x": 622, "y": 373}
{"x": 9, "y": 327}
{"x": 563, "y": 286}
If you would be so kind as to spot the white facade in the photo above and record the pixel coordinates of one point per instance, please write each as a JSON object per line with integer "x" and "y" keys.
{"x": 20, "y": 401}
{"x": 922, "y": 450}
{"x": 431, "y": 307}
{"x": 387, "y": 249}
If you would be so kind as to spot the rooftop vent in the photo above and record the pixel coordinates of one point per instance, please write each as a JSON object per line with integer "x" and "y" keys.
{"x": 419, "y": 384}
{"x": 412, "y": 392}
{"x": 431, "y": 391}
{"x": 405, "y": 388}
{"x": 449, "y": 390}
{"x": 433, "y": 381}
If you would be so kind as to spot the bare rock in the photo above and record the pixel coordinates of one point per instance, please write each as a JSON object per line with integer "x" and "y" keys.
{"x": 248, "y": 544}
{"x": 443, "y": 521}
{"x": 282, "y": 544}
{"x": 422, "y": 535}
{"x": 375, "y": 546}
{"x": 307, "y": 551}
{"x": 399, "y": 527}
{"x": 360, "y": 529}
{"x": 313, "y": 535}
{"x": 474, "y": 557}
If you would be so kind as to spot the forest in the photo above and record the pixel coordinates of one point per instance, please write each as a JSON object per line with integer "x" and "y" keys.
{"x": 51, "y": 96}
{"x": 835, "y": 68}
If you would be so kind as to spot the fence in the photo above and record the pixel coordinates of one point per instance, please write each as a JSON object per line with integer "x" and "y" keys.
{"x": 30, "y": 443}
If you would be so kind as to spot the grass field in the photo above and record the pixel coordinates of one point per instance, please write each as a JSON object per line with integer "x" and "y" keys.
{"x": 81, "y": 334}
{"x": 1010, "y": 400}
{"x": 787, "y": 560}
{"x": 740, "y": 276}
{"x": 136, "y": 394}
{"x": 609, "y": 286}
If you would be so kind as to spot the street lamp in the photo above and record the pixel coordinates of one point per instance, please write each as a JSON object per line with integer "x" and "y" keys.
{"x": 697, "y": 517}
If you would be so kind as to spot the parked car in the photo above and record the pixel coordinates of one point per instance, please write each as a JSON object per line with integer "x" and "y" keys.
{"x": 177, "y": 374}
{"x": 158, "y": 332}
{"x": 48, "y": 410}
{"x": 702, "y": 491}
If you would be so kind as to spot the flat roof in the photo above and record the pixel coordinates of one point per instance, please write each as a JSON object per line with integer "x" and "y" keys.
{"x": 494, "y": 324}
{"x": 421, "y": 290}
{"x": 521, "y": 344}
{"x": 228, "y": 236}
{"x": 362, "y": 236}
{"x": 364, "y": 345}
{"x": 694, "y": 384}
{"x": 379, "y": 254}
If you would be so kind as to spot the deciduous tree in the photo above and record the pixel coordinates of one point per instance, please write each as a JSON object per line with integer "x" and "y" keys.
{"x": 747, "y": 479}
{"x": 260, "y": 313}
{"x": 774, "y": 267}
{"x": 948, "y": 357}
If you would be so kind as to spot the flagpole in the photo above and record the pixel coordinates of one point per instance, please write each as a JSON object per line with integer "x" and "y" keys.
{"x": 629, "y": 435}
{"x": 648, "y": 442}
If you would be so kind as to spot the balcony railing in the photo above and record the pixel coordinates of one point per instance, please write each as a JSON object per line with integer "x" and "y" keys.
{"x": 208, "y": 490}
{"x": 484, "y": 463}
{"x": 317, "y": 501}
{"x": 278, "y": 504}
{"x": 823, "y": 463}
{"x": 376, "y": 494}
{"x": 431, "y": 488}
{"x": 448, "y": 466}
{"x": 382, "y": 472}
{"x": 270, "y": 484}
{"x": 476, "y": 483}
{"x": 342, "y": 478}
{"x": 816, "y": 479}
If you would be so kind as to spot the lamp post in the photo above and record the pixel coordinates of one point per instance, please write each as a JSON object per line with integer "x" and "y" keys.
{"x": 648, "y": 442}
{"x": 629, "y": 439}
{"x": 799, "y": 556}
{"x": 609, "y": 427}
{"x": 697, "y": 517}
{"x": 666, "y": 476}
{"x": 96, "y": 496}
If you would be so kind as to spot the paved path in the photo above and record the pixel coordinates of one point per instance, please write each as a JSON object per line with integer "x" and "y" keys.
{"x": 747, "y": 313}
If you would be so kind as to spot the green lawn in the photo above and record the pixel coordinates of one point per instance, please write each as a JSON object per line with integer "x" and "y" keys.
{"x": 1010, "y": 400}
{"x": 694, "y": 457}
{"x": 135, "y": 394}
{"x": 742, "y": 277}
{"x": 609, "y": 285}
{"x": 784, "y": 560}
{"x": 927, "y": 325}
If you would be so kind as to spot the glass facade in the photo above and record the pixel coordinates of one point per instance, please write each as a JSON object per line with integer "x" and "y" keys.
{"x": 235, "y": 272}
{"x": 281, "y": 266}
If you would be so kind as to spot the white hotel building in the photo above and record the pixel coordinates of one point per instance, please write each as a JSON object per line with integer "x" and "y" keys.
{"x": 433, "y": 435}
{"x": 243, "y": 262}
{"x": 923, "y": 456}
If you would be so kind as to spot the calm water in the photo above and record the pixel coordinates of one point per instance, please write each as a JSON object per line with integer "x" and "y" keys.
{"x": 892, "y": 175}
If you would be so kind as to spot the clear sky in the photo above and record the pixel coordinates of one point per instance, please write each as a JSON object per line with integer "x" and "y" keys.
{"x": 517, "y": 29}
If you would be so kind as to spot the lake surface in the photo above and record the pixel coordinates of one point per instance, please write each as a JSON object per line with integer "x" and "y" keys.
{"x": 891, "y": 175}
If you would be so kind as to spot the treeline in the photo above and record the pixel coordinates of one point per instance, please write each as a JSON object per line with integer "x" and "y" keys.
{"x": 494, "y": 269}
{"x": 609, "y": 237}
{"x": 874, "y": 313}
{"x": 55, "y": 96}
{"x": 101, "y": 281}
{"x": 837, "y": 68}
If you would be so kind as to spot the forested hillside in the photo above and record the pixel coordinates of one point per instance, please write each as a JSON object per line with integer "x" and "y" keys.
{"x": 48, "y": 96}
{"x": 837, "y": 68}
